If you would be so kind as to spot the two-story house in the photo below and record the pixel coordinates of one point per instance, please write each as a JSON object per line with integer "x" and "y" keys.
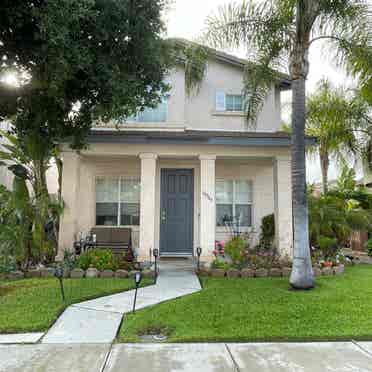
{"x": 175, "y": 173}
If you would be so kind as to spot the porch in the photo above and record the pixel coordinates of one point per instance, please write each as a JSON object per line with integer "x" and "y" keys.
{"x": 175, "y": 198}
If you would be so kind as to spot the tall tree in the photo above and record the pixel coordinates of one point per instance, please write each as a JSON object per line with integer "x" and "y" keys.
{"x": 77, "y": 62}
{"x": 279, "y": 34}
{"x": 339, "y": 120}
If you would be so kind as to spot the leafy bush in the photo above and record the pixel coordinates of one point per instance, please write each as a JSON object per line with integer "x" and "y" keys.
{"x": 369, "y": 246}
{"x": 267, "y": 231}
{"x": 328, "y": 247}
{"x": 263, "y": 257}
{"x": 101, "y": 259}
{"x": 236, "y": 248}
{"x": 7, "y": 264}
{"x": 331, "y": 221}
{"x": 219, "y": 264}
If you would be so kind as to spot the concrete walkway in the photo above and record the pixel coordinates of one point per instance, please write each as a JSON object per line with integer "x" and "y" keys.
{"x": 218, "y": 357}
{"x": 97, "y": 321}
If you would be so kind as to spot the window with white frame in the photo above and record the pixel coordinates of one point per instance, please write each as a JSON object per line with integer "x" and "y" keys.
{"x": 117, "y": 201}
{"x": 233, "y": 202}
{"x": 158, "y": 114}
{"x": 229, "y": 102}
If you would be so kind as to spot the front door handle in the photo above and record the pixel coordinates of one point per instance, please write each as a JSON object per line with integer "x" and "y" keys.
{"x": 163, "y": 215}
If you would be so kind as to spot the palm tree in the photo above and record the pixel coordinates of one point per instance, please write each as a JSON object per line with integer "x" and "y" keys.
{"x": 338, "y": 119}
{"x": 277, "y": 34}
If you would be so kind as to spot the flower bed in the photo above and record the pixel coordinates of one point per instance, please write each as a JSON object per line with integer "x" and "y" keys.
{"x": 262, "y": 272}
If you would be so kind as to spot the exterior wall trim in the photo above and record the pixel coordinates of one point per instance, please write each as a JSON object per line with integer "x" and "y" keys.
{"x": 224, "y": 141}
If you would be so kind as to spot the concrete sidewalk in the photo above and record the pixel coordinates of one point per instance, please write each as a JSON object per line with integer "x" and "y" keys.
{"x": 218, "y": 357}
{"x": 97, "y": 321}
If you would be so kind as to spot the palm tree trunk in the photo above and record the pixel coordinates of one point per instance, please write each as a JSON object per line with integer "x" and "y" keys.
{"x": 302, "y": 273}
{"x": 324, "y": 165}
{"x": 302, "y": 276}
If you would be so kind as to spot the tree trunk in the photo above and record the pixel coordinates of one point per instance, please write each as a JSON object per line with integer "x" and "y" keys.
{"x": 302, "y": 273}
{"x": 41, "y": 205}
{"x": 302, "y": 276}
{"x": 324, "y": 164}
{"x": 59, "y": 165}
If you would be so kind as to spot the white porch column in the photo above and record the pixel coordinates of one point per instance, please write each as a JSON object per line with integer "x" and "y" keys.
{"x": 283, "y": 205}
{"x": 147, "y": 214}
{"x": 207, "y": 206}
{"x": 70, "y": 196}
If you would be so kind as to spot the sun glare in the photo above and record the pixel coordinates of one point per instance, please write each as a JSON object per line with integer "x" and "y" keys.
{"x": 10, "y": 78}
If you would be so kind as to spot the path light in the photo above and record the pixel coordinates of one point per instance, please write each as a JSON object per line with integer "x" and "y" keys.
{"x": 198, "y": 252}
{"x": 156, "y": 254}
{"x": 58, "y": 273}
{"x": 150, "y": 256}
{"x": 137, "y": 281}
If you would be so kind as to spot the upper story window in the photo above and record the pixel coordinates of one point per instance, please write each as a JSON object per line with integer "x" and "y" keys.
{"x": 158, "y": 114}
{"x": 229, "y": 102}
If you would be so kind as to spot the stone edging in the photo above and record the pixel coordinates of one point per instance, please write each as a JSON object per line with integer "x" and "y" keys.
{"x": 262, "y": 273}
{"x": 77, "y": 273}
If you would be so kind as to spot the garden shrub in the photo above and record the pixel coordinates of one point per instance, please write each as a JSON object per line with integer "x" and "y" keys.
{"x": 236, "y": 248}
{"x": 101, "y": 259}
{"x": 329, "y": 247}
{"x": 368, "y": 246}
{"x": 263, "y": 257}
{"x": 267, "y": 231}
{"x": 219, "y": 264}
{"x": 332, "y": 219}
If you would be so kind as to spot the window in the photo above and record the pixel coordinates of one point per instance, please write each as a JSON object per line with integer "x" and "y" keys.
{"x": 234, "y": 202}
{"x": 229, "y": 102}
{"x": 152, "y": 115}
{"x": 234, "y": 102}
{"x": 117, "y": 201}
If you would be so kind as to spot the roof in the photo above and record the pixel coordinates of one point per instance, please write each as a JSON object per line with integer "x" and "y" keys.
{"x": 284, "y": 79}
{"x": 190, "y": 136}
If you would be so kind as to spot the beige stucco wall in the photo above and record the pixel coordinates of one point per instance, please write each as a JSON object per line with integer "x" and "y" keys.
{"x": 198, "y": 111}
{"x": 201, "y": 108}
{"x": 255, "y": 164}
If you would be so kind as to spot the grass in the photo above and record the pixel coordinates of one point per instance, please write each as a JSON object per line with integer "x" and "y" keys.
{"x": 34, "y": 304}
{"x": 264, "y": 309}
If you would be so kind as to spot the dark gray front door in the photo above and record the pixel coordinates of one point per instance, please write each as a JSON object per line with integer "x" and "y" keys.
{"x": 176, "y": 212}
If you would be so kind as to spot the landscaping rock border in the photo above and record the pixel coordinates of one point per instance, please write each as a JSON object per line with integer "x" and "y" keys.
{"x": 77, "y": 273}
{"x": 264, "y": 273}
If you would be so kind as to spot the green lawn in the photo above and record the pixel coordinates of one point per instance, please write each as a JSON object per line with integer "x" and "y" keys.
{"x": 34, "y": 304}
{"x": 264, "y": 309}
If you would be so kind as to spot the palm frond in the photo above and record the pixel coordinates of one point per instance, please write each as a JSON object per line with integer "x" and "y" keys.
{"x": 258, "y": 80}
{"x": 346, "y": 25}
{"x": 249, "y": 24}
{"x": 195, "y": 62}
{"x": 193, "y": 57}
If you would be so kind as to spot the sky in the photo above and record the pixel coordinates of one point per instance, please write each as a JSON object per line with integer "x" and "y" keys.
{"x": 186, "y": 19}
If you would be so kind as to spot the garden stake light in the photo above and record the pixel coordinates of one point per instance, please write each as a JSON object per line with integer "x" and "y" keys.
{"x": 198, "y": 252}
{"x": 58, "y": 273}
{"x": 137, "y": 281}
{"x": 156, "y": 254}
